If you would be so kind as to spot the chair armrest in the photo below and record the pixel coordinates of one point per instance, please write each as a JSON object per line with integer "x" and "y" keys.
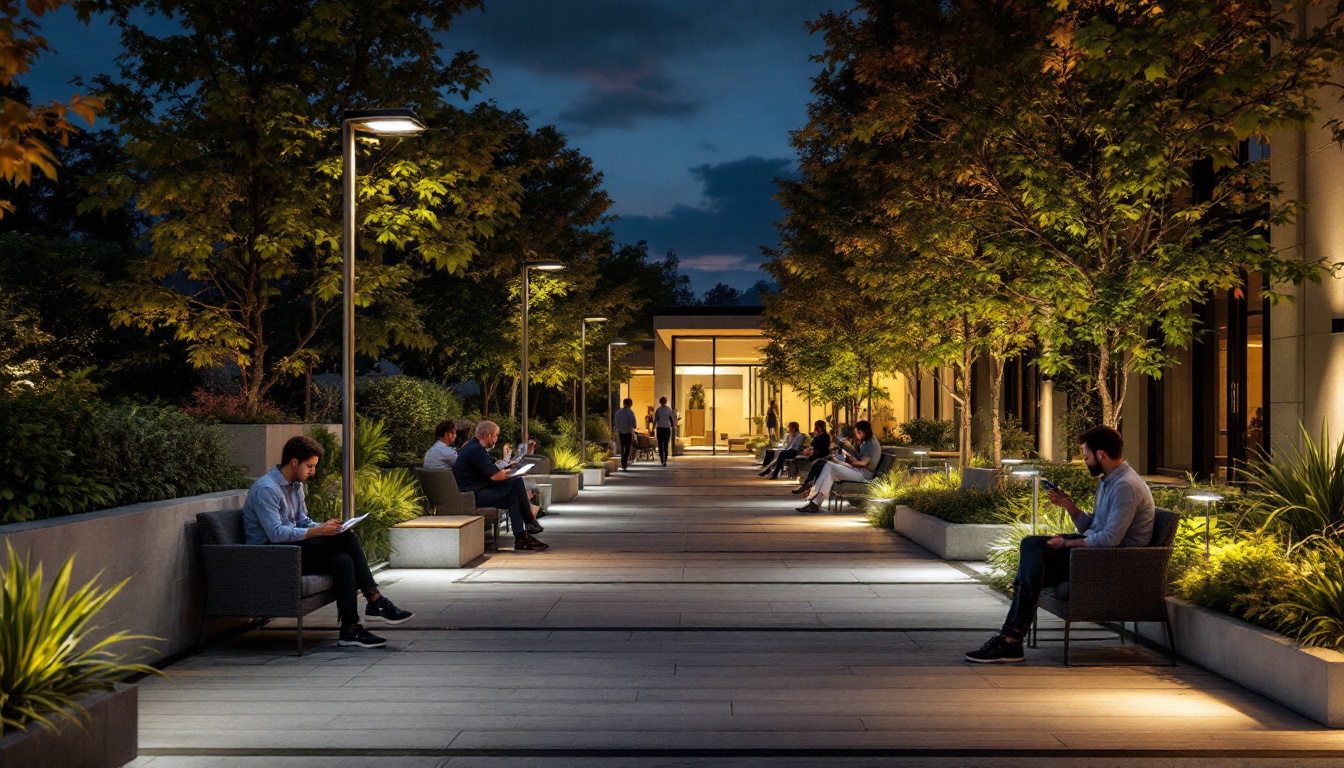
{"x": 252, "y": 579}
{"x": 1118, "y": 583}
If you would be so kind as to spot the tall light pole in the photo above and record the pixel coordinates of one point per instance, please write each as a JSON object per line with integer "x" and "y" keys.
{"x": 379, "y": 122}
{"x": 583, "y": 384}
{"x": 547, "y": 265}
{"x": 617, "y": 343}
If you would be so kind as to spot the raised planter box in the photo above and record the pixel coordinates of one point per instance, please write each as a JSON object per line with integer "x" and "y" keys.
{"x": 950, "y": 541}
{"x": 1306, "y": 680}
{"x": 438, "y": 541}
{"x": 108, "y": 739}
{"x": 155, "y": 544}
{"x": 592, "y": 478}
{"x": 563, "y": 487}
{"x": 613, "y": 466}
{"x": 258, "y": 446}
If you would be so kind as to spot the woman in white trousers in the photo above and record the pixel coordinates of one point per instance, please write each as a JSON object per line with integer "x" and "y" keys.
{"x": 857, "y": 466}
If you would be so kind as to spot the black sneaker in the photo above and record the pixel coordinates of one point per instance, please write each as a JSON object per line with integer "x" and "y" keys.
{"x": 383, "y": 610}
{"x": 360, "y": 637}
{"x": 997, "y": 650}
{"x": 535, "y": 528}
{"x": 800, "y": 490}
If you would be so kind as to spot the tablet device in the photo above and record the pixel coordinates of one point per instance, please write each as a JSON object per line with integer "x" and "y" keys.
{"x": 351, "y": 523}
{"x": 523, "y": 470}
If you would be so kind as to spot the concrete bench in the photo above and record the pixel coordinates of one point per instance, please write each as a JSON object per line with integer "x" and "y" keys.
{"x": 437, "y": 541}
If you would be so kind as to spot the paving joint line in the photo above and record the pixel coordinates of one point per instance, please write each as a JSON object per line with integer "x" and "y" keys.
{"x": 653, "y": 752}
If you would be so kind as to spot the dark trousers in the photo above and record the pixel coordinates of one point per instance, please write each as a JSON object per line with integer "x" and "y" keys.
{"x": 342, "y": 558}
{"x": 664, "y": 441}
{"x": 509, "y": 495}
{"x": 769, "y": 457}
{"x": 784, "y": 456}
{"x": 815, "y": 471}
{"x": 1039, "y": 566}
{"x": 627, "y": 445}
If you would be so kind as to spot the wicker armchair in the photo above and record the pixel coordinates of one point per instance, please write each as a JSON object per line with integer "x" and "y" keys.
{"x": 849, "y": 490}
{"x": 443, "y": 498}
{"x": 255, "y": 581}
{"x": 1117, "y": 584}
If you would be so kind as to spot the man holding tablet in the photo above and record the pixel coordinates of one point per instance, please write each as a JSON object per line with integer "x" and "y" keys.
{"x": 494, "y": 486}
{"x": 275, "y": 513}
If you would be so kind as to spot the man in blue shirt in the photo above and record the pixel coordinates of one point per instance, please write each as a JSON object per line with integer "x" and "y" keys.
{"x": 1122, "y": 517}
{"x": 442, "y": 454}
{"x": 495, "y": 487}
{"x": 275, "y": 513}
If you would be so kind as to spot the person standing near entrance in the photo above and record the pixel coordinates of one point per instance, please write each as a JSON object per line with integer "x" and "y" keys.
{"x": 772, "y": 422}
{"x": 663, "y": 419}
{"x": 626, "y": 423}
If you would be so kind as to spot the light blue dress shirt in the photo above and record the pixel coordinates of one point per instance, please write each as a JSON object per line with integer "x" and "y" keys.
{"x": 440, "y": 456}
{"x": 1123, "y": 515}
{"x": 275, "y": 512}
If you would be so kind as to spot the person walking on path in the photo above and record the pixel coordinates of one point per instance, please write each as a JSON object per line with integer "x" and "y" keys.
{"x": 275, "y": 512}
{"x": 626, "y": 424}
{"x": 772, "y": 422}
{"x": 663, "y": 421}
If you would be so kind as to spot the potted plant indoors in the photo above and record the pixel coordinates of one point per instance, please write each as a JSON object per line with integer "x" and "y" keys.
{"x": 63, "y": 702}
{"x": 695, "y": 412}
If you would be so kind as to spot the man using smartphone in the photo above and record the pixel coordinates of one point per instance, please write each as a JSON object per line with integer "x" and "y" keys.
{"x": 1122, "y": 517}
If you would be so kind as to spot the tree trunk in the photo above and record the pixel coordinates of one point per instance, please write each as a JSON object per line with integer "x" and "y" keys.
{"x": 965, "y": 447}
{"x": 513, "y": 399}
{"x": 995, "y": 412}
{"x": 308, "y": 392}
{"x": 1112, "y": 398}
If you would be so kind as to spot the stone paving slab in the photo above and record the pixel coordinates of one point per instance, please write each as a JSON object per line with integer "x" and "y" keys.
{"x": 689, "y": 617}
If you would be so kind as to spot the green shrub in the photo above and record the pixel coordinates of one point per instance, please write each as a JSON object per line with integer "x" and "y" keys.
{"x": 1013, "y": 439}
{"x": 1247, "y": 578}
{"x": 154, "y": 452}
{"x": 1315, "y": 611}
{"x": 387, "y": 496}
{"x": 934, "y": 433}
{"x": 1004, "y": 551}
{"x": 566, "y": 461}
{"x": 597, "y": 429}
{"x": 331, "y": 456}
{"x": 409, "y": 408}
{"x": 46, "y": 661}
{"x": 1299, "y": 493}
{"x": 44, "y": 468}
{"x": 962, "y": 507}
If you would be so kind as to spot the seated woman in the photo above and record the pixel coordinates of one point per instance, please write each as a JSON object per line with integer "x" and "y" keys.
{"x": 850, "y": 465}
{"x": 819, "y": 451}
{"x": 793, "y": 443}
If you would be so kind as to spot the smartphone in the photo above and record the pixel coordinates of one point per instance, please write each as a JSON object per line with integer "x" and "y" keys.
{"x": 1049, "y": 486}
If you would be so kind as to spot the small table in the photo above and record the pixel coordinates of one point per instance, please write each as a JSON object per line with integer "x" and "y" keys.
{"x": 736, "y": 441}
{"x": 437, "y": 541}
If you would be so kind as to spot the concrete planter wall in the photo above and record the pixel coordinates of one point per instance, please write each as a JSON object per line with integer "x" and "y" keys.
{"x": 108, "y": 739}
{"x": 563, "y": 487}
{"x": 258, "y": 446}
{"x": 612, "y": 465}
{"x": 950, "y": 541}
{"x": 156, "y": 545}
{"x": 592, "y": 478}
{"x": 1306, "y": 680}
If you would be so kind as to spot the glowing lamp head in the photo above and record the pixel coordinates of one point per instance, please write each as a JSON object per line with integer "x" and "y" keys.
{"x": 594, "y": 319}
{"x": 920, "y": 453}
{"x": 1204, "y": 496}
{"x": 1010, "y": 462}
{"x": 546, "y": 265}
{"x": 1026, "y": 471}
{"x": 385, "y": 122}
{"x": 618, "y": 344}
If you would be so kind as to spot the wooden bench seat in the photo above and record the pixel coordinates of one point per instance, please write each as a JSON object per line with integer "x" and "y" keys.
{"x": 437, "y": 541}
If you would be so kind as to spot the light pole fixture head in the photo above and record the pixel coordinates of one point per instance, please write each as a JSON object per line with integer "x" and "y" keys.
{"x": 1204, "y": 496}
{"x": 594, "y": 319}
{"x": 920, "y": 453}
{"x": 546, "y": 265}
{"x": 1026, "y": 471}
{"x": 1010, "y": 462}
{"x": 400, "y": 121}
{"x": 617, "y": 343}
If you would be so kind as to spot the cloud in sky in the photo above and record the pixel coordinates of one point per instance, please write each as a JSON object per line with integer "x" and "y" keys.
{"x": 721, "y": 238}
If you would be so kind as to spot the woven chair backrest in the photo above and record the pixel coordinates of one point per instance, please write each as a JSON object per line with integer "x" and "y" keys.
{"x": 222, "y": 527}
{"x": 1165, "y": 524}
{"x": 439, "y": 485}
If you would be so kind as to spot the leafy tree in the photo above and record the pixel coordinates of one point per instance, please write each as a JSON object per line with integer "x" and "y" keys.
{"x": 1077, "y": 128}
{"x": 721, "y": 295}
{"x": 26, "y": 128}
{"x": 232, "y": 135}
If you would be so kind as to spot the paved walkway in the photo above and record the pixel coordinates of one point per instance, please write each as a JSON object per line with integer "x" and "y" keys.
{"x": 688, "y": 616}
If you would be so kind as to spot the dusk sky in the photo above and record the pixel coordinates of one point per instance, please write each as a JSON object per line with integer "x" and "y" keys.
{"x": 684, "y": 105}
